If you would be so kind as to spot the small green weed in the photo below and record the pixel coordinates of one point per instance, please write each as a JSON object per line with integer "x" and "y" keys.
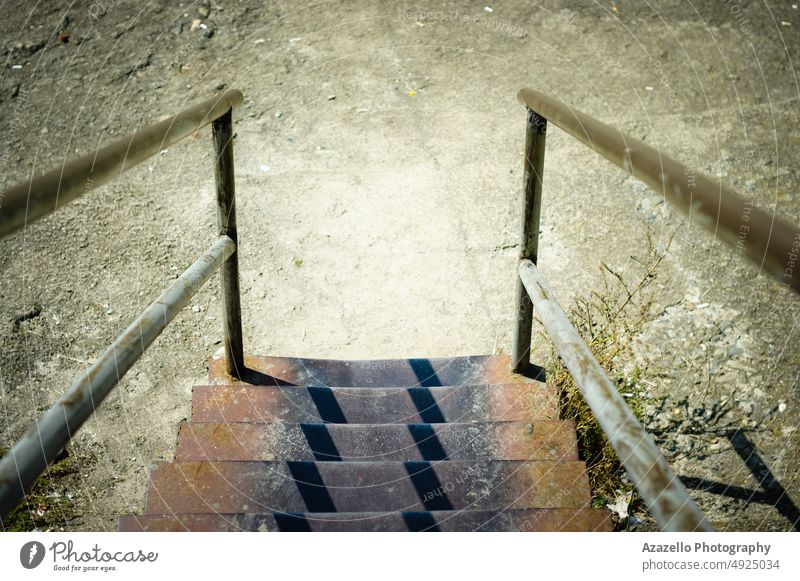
{"x": 47, "y": 505}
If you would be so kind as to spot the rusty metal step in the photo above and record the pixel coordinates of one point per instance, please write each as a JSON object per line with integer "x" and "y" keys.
{"x": 513, "y": 520}
{"x": 341, "y": 405}
{"x": 540, "y": 440}
{"x": 257, "y": 487}
{"x": 416, "y": 372}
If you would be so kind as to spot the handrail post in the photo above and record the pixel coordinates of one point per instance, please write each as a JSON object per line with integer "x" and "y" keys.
{"x": 222, "y": 130}
{"x": 529, "y": 236}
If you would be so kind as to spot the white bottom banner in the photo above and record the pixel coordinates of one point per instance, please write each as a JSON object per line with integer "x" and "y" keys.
{"x": 353, "y": 556}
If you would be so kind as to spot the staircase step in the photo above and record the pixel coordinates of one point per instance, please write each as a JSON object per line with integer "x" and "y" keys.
{"x": 514, "y": 520}
{"x": 418, "y": 372}
{"x": 545, "y": 440}
{"x": 341, "y": 405}
{"x": 242, "y": 487}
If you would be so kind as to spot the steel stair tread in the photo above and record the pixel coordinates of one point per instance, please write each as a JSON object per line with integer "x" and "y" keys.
{"x": 412, "y": 372}
{"x": 540, "y": 440}
{"x": 467, "y": 403}
{"x": 236, "y": 487}
{"x": 514, "y": 520}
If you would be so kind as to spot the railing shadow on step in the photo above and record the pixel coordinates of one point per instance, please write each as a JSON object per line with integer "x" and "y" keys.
{"x": 34, "y": 199}
{"x": 770, "y": 243}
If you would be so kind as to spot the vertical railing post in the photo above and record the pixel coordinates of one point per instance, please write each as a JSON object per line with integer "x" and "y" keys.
{"x": 529, "y": 234}
{"x": 222, "y": 130}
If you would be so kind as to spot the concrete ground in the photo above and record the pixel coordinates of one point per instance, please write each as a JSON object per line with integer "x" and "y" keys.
{"x": 378, "y": 160}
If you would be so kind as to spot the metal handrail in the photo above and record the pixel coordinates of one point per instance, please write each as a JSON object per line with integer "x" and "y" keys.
{"x": 29, "y": 457}
{"x": 665, "y": 495}
{"x": 28, "y": 201}
{"x": 767, "y": 241}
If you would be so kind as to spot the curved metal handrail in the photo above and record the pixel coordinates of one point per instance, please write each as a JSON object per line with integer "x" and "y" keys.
{"x": 25, "y": 462}
{"x": 766, "y": 240}
{"x": 665, "y": 495}
{"x": 30, "y": 200}
{"x": 769, "y": 242}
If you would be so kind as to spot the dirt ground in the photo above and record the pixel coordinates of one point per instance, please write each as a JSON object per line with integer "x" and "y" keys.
{"x": 378, "y": 159}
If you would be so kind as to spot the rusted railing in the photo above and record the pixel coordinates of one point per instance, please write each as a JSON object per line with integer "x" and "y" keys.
{"x": 29, "y": 201}
{"x": 666, "y": 497}
{"x": 770, "y": 243}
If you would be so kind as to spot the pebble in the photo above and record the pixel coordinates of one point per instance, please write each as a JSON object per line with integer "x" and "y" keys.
{"x": 735, "y": 350}
{"x": 740, "y": 366}
{"x": 278, "y": 114}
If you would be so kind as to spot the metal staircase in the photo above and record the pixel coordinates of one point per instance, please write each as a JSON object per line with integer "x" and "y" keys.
{"x": 456, "y": 444}
{"x": 463, "y": 443}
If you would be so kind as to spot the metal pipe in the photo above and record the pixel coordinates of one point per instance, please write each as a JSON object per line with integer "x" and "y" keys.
{"x": 30, "y": 200}
{"x": 769, "y": 242}
{"x": 30, "y": 456}
{"x": 529, "y": 234}
{"x": 665, "y": 495}
{"x": 222, "y": 130}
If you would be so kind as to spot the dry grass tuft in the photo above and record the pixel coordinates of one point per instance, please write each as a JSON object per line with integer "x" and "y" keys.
{"x": 607, "y": 321}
